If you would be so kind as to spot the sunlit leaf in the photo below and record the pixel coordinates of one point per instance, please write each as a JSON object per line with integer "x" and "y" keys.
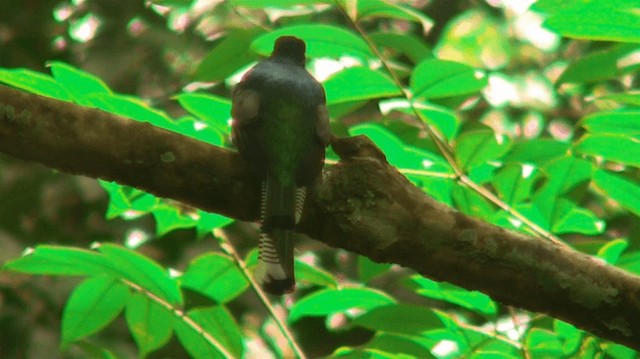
{"x": 621, "y": 122}
{"x": 384, "y": 9}
{"x": 228, "y": 56}
{"x": 34, "y": 82}
{"x": 477, "y": 147}
{"x": 92, "y": 305}
{"x": 213, "y": 110}
{"x": 621, "y": 189}
{"x": 434, "y": 78}
{"x": 399, "y": 318}
{"x": 359, "y": 83}
{"x": 537, "y": 151}
{"x": 142, "y": 271}
{"x": 275, "y": 3}
{"x": 78, "y": 82}
{"x": 219, "y": 326}
{"x": 133, "y": 108}
{"x": 618, "y": 148}
{"x": 322, "y": 41}
{"x": 514, "y": 183}
{"x": 216, "y": 276}
{"x": 563, "y": 174}
{"x": 329, "y": 301}
{"x": 571, "y": 336}
{"x": 569, "y": 218}
{"x": 471, "y": 203}
{"x": 399, "y": 345}
{"x": 368, "y": 269}
{"x": 612, "y": 251}
{"x": 630, "y": 97}
{"x": 606, "y": 64}
{"x": 149, "y": 323}
{"x": 447, "y": 292}
{"x": 406, "y": 44}
{"x": 57, "y": 260}
{"x": 313, "y": 275}
{"x": 543, "y": 344}
{"x": 169, "y": 218}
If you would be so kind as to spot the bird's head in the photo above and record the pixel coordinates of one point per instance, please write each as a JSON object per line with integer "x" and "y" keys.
{"x": 291, "y": 48}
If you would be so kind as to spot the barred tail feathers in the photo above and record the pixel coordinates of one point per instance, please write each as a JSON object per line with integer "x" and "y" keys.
{"x": 281, "y": 206}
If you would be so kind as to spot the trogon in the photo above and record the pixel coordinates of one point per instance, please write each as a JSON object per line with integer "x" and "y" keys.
{"x": 281, "y": 129}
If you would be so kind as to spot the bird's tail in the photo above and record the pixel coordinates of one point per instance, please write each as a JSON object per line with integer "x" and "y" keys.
{"x": 281, "y": 206}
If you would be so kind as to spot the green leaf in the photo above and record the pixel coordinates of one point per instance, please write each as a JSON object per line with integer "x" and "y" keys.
{"x": 471, "y": 203}
{"x": 564, "y": 174}
{"x": 475, "y": 38}
{"x": 612, "y": 251}
{"x": 543, "y": 344}
{"x": 602, "y": 65}
{"x": 514, "y": 183}
{"x": 91, "y": 306}
{"x": 400, "y": 319}
{"x": 228, "y": 56}
{"x": 472, "y": 300}
{"x": 442, "y": 119}
{"x": 221, "y": 331}
{"x": 275, "y": 3}
{"x": 397, "y": 345}
{"x": 368, "y": 269}
{"x": 571, "y": 336}
{"x": 183, "y": 3}
{"x": 359, "y": 83}
{"x": 78, "y": 82}
{"x": 569, "y": 218}
{"x": 57, "y": 260}
{"x": 216, "y": 276}
{"x": 322, "y": 41}
{"x": 630, "y": 98}
{"x": 434, "y": 78}
{"x": 474, "y": 148}
{"x": 406, "y": 44}
{"x": 597, "y": 20}
{"x": 619, "y": 148}
{"x": 142, "y": 271}
{"x": 618, "y": 351}
{"x": 314, "y": 275}
{"x": 207, "y": 222}
{"x": 329, "y": 301}
{"x": 213, "y": 110}
{"x": 537, "y": 151}
{"x": 169, "y": 218}
{"x": 624, "y": 191}
{"x": 620, "y": 122}
{"x": 149, "y": 323}
{"x": 133, "y": 108}
{"x": 34, "y": 82}
{"x": 379, "y": 8}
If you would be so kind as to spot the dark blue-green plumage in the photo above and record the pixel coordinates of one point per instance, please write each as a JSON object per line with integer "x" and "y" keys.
{"x": 281, "y": 129}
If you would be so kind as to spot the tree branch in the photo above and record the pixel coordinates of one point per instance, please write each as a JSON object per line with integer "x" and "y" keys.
{"x": 363, "y": 205}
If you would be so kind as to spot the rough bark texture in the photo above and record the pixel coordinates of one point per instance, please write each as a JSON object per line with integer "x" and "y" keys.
{"x": 363, "y": 205}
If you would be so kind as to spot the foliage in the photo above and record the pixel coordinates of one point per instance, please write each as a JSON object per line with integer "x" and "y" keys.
{"x": 508, "y": 128}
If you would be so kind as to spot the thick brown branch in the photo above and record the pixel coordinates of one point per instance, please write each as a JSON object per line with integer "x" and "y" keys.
{"x": 363, "y": 205}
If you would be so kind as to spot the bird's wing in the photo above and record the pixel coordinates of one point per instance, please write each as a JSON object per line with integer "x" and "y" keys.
{"x": 245, "y": 105}
{"x": 323, "y": 129}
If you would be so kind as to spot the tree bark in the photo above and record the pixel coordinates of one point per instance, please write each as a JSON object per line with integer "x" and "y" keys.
{"x": 362, "y": 204}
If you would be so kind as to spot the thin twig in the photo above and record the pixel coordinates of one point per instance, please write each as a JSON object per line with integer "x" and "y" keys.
{"x": 181, "y": 315}
{"x": 443, "y": 147}
{"x": 228, "y": 248}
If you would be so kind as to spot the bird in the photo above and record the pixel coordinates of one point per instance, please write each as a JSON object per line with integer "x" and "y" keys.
{"x": 281, "y": 129}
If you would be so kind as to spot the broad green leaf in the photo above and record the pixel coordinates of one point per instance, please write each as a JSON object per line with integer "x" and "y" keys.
{"x": 399, "y": 345}
{"x": 630, "y": 98}
{"x": 597, "y": 20}
{"x": 142, "y": 271}
{"x": 543, "y": 344}
{"x": 210, "y": 221}
{"x": 322, "y": 41}
{"x": 213, "y": 110}
{"x": 275, "y": 3}
{"x": 563, "y": 174}
{"x": 329, "y": 301}
{"x": 624, "y": 191}
{"x": 400, "y": 319}
{"x": 353, "y": 353}
{"x": 471, "y": 203}
{"x": 229, "y": 55}
{"x": 380, "y": 8}
{"x": 133, "y": 108}
{"x": 149, "y": 323}
{"x": 475, "y": 38}
{"x": 440, "y": 118}
{"x": 537, "y": 151}
{"x": 216, "y": 276}
{"x": 514, "y": 183}
{"x": 618, "y": 351}
{"x": 359, "y": 83}
{"x": 602, "y": 65}
{"x": 570, "y": 336}
{"x": 406, "y": 44}
{"x": 169, "y": 218}
{"x": 569, "y": 218}
{"x": 434, "y": 78}
{"x": 368, "y": 269}
{"x": 119, "y": 202}
{"x": 472, "y": 300}
{"x": 619, "y": 148}
{"x": 78, "y": 82}
{"x": 221, "y": 332}
{"x": 58, "y": 260}
{"x": 92, "y": 350}
{"x": 474, "y": 148}
{"x": 34, "y": 82}
{"x": 183, "y": 3}
{"x": 620, "y": 122}
{"x": 612, "y": 251}
{"x": 91, "y": 306}
{"x": 313, "y": 275}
